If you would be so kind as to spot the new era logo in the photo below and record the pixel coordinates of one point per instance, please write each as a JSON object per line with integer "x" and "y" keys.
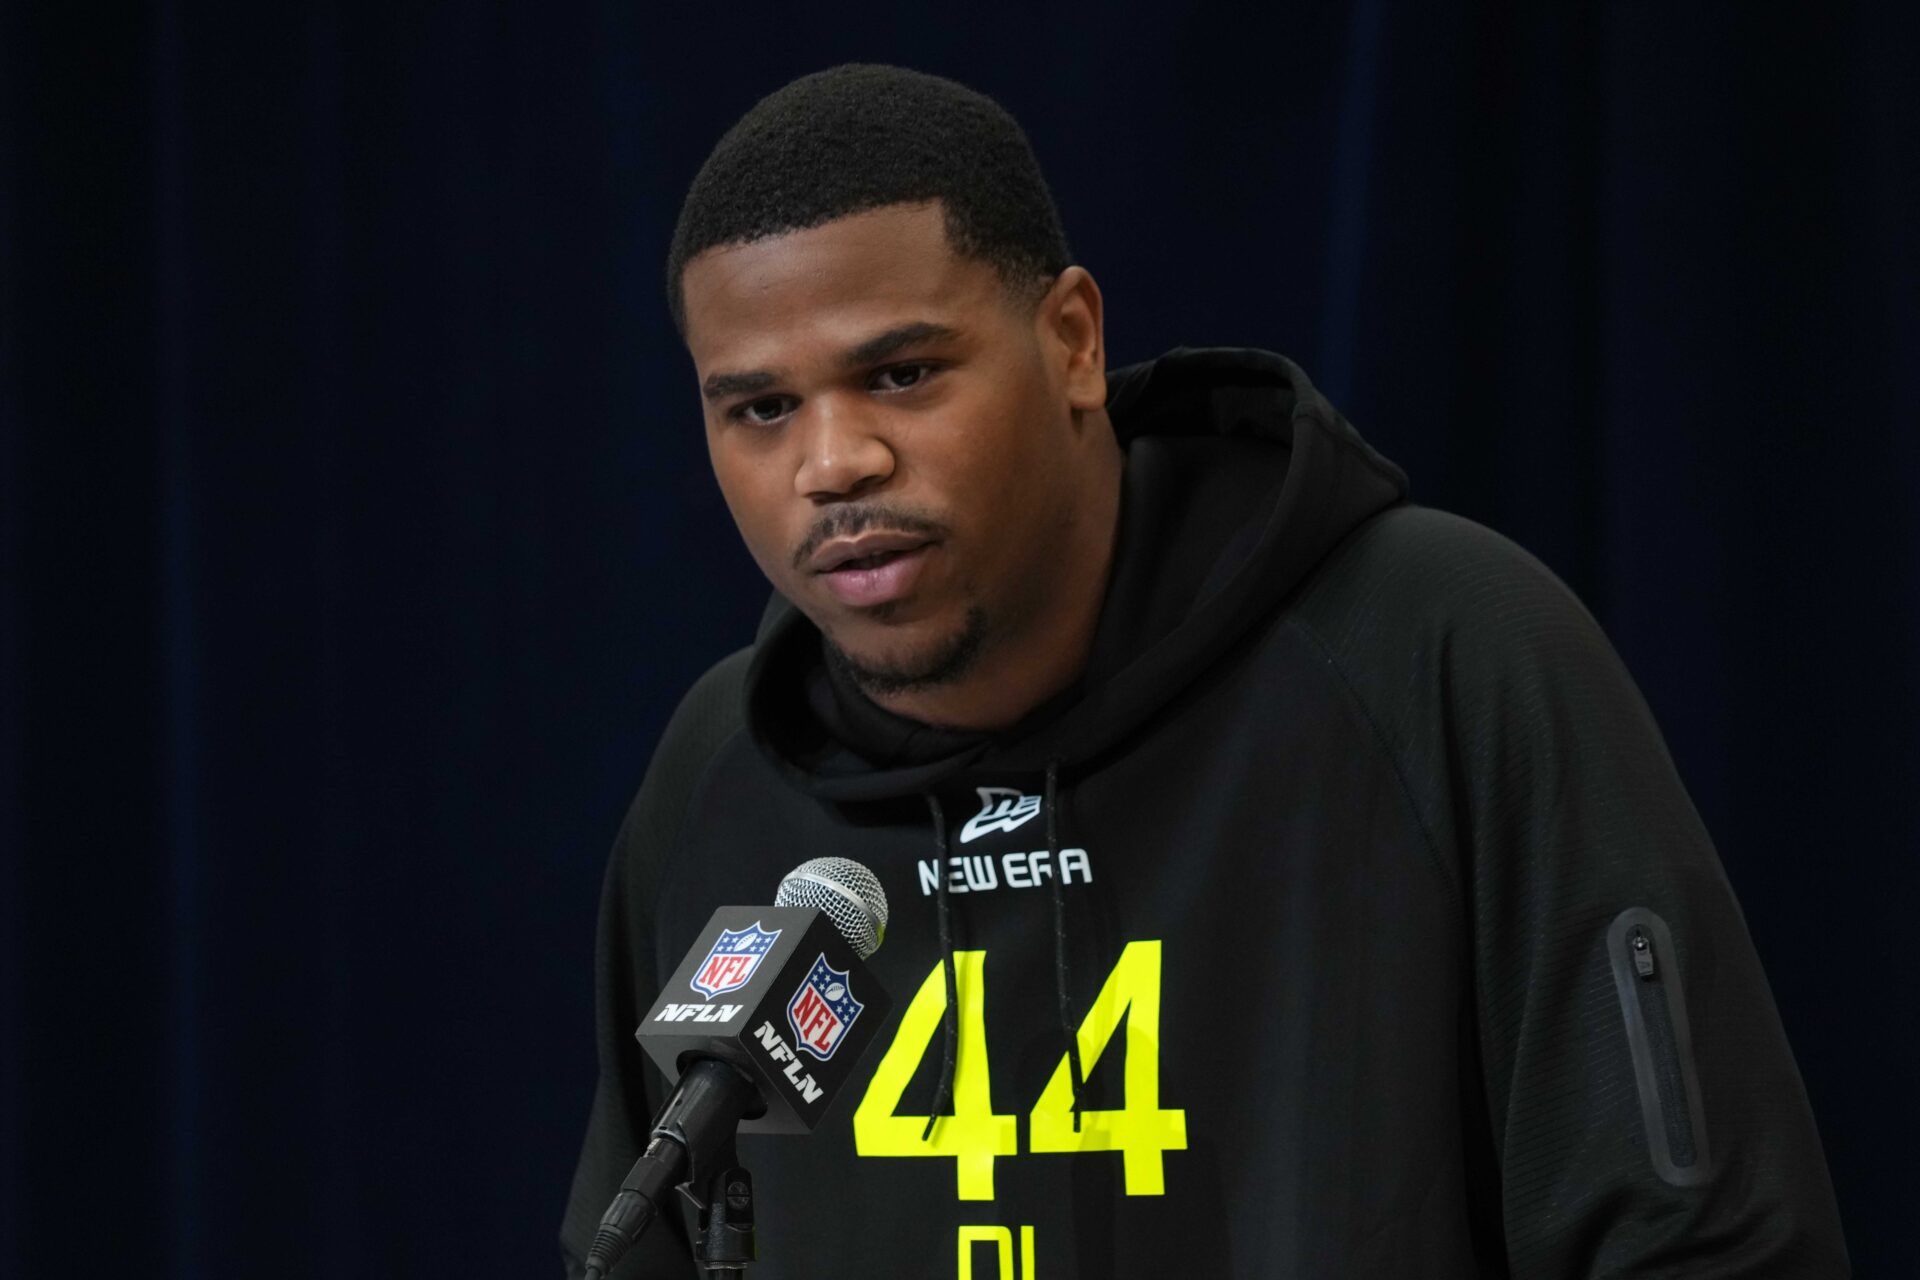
{"x": 1001, "y": 809}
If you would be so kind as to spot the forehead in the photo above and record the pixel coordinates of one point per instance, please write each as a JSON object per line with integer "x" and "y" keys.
{"x": 828, "y": 287}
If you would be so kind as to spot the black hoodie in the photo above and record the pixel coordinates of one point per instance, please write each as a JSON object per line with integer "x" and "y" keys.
{"x": 1347, "y": 917}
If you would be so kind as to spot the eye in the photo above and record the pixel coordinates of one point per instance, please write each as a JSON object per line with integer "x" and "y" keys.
{"x": 906, "y": 376}
{"x": 760, "y": 413}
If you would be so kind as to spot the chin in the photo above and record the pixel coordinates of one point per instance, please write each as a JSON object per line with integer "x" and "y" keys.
{"x": 902, "y": 663}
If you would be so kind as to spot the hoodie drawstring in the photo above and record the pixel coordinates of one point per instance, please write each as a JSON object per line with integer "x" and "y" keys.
{"x": 950, "y": 1020}
{"x": 1060, "y": 936}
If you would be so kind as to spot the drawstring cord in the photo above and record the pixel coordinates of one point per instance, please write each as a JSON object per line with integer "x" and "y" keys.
{"x": 950, "y": 1019}
{"x": 1060, "y": 936}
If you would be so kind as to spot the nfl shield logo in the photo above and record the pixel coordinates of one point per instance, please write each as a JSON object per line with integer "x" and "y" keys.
{"x": 822, "y": 1010}
{"x": 735, "y": 955}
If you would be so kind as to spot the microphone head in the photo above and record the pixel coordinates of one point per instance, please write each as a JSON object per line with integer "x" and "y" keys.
{"x": 847, "y": 892}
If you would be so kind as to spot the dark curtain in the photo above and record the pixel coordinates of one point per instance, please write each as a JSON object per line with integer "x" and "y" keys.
{"x": 358, "y": 537}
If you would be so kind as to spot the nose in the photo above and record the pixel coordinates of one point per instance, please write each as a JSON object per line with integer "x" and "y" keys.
{"x": 843, "y": 451}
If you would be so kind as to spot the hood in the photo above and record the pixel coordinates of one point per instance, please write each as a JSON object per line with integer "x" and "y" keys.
{"x": 1239, "y": 479}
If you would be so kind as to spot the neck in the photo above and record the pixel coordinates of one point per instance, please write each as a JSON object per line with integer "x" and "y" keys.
{"x": 1031, "y": 658}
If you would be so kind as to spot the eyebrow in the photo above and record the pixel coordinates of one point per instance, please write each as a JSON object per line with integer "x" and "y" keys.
{"x": 719, "y": 386}
{"x": 882, "y": 345}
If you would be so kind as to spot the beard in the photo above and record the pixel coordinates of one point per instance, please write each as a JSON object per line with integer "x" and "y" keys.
{"x": 943, "y": 663}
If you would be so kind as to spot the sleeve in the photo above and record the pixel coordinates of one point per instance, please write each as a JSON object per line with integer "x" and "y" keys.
{"x": 1642, "y": 1112}
{"x": 629, "y": 1089}
{"x": 1647, "y": 1115}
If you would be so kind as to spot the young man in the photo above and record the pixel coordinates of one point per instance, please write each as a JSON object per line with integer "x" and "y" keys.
{"x": 1318, "y": 893}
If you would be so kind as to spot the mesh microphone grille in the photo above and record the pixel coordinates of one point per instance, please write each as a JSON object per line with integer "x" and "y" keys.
{"x": 849, "y": 895}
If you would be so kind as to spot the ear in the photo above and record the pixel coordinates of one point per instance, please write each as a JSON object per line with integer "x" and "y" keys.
{"x": 1072, "y": 323}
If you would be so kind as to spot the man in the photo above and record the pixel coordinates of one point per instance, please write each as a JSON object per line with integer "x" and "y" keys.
{"x": 1317, "y": 892}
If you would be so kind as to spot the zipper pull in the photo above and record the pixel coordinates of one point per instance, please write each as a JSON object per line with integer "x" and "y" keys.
{"x": 1642, "y": 954}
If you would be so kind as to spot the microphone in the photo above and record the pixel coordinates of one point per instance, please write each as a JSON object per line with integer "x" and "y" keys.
{"x": 784, "y": 1009}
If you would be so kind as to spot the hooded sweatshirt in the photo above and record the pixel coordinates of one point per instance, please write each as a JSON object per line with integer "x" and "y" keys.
{"x": 1345, "y": 918}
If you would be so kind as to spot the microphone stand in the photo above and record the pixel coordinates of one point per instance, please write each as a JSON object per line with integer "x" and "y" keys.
{"x": 692, "y": 1134}
{"x": 724, "y": 1198}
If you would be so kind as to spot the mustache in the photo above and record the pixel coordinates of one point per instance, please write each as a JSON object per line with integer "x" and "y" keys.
{"x": 846, "y": 522}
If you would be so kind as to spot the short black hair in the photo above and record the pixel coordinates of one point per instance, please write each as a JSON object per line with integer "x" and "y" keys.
{"x": 864, "y": 135}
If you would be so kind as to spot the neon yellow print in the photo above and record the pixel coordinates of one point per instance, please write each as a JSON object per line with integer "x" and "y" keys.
{"x": 973, "y": 1135}
{"x": 1141, "y": 1131}
{"x": 1001, "y": 1238}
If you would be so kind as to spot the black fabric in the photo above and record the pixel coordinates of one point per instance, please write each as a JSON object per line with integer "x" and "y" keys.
{"x": 1362, "y": 789}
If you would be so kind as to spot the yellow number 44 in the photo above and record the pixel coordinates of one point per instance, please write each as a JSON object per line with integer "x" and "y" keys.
{"x": 1141, "y": 1131}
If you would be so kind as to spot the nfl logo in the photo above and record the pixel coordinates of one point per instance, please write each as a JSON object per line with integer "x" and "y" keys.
{"x": 822, "y": 1010}
{"x": 735, "y": 955}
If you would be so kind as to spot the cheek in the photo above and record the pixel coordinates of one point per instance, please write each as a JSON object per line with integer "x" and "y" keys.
{"x": 1035, "y": 502}
{"x": 1015, "y": 464}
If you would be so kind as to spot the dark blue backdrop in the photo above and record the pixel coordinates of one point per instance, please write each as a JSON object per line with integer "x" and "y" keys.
{"x": 357, "y": 532}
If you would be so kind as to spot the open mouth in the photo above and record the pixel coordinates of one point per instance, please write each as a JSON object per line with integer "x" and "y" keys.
{"x": 878, "y": 578}
{"x": 873, "y": 561}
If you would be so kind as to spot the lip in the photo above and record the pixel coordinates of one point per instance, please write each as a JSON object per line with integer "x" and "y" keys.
{"x": 832, "y": 555}
{"x": 865, "y": 588}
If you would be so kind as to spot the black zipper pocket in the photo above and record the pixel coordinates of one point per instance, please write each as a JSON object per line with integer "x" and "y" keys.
{"x": 1646, "y": 974}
